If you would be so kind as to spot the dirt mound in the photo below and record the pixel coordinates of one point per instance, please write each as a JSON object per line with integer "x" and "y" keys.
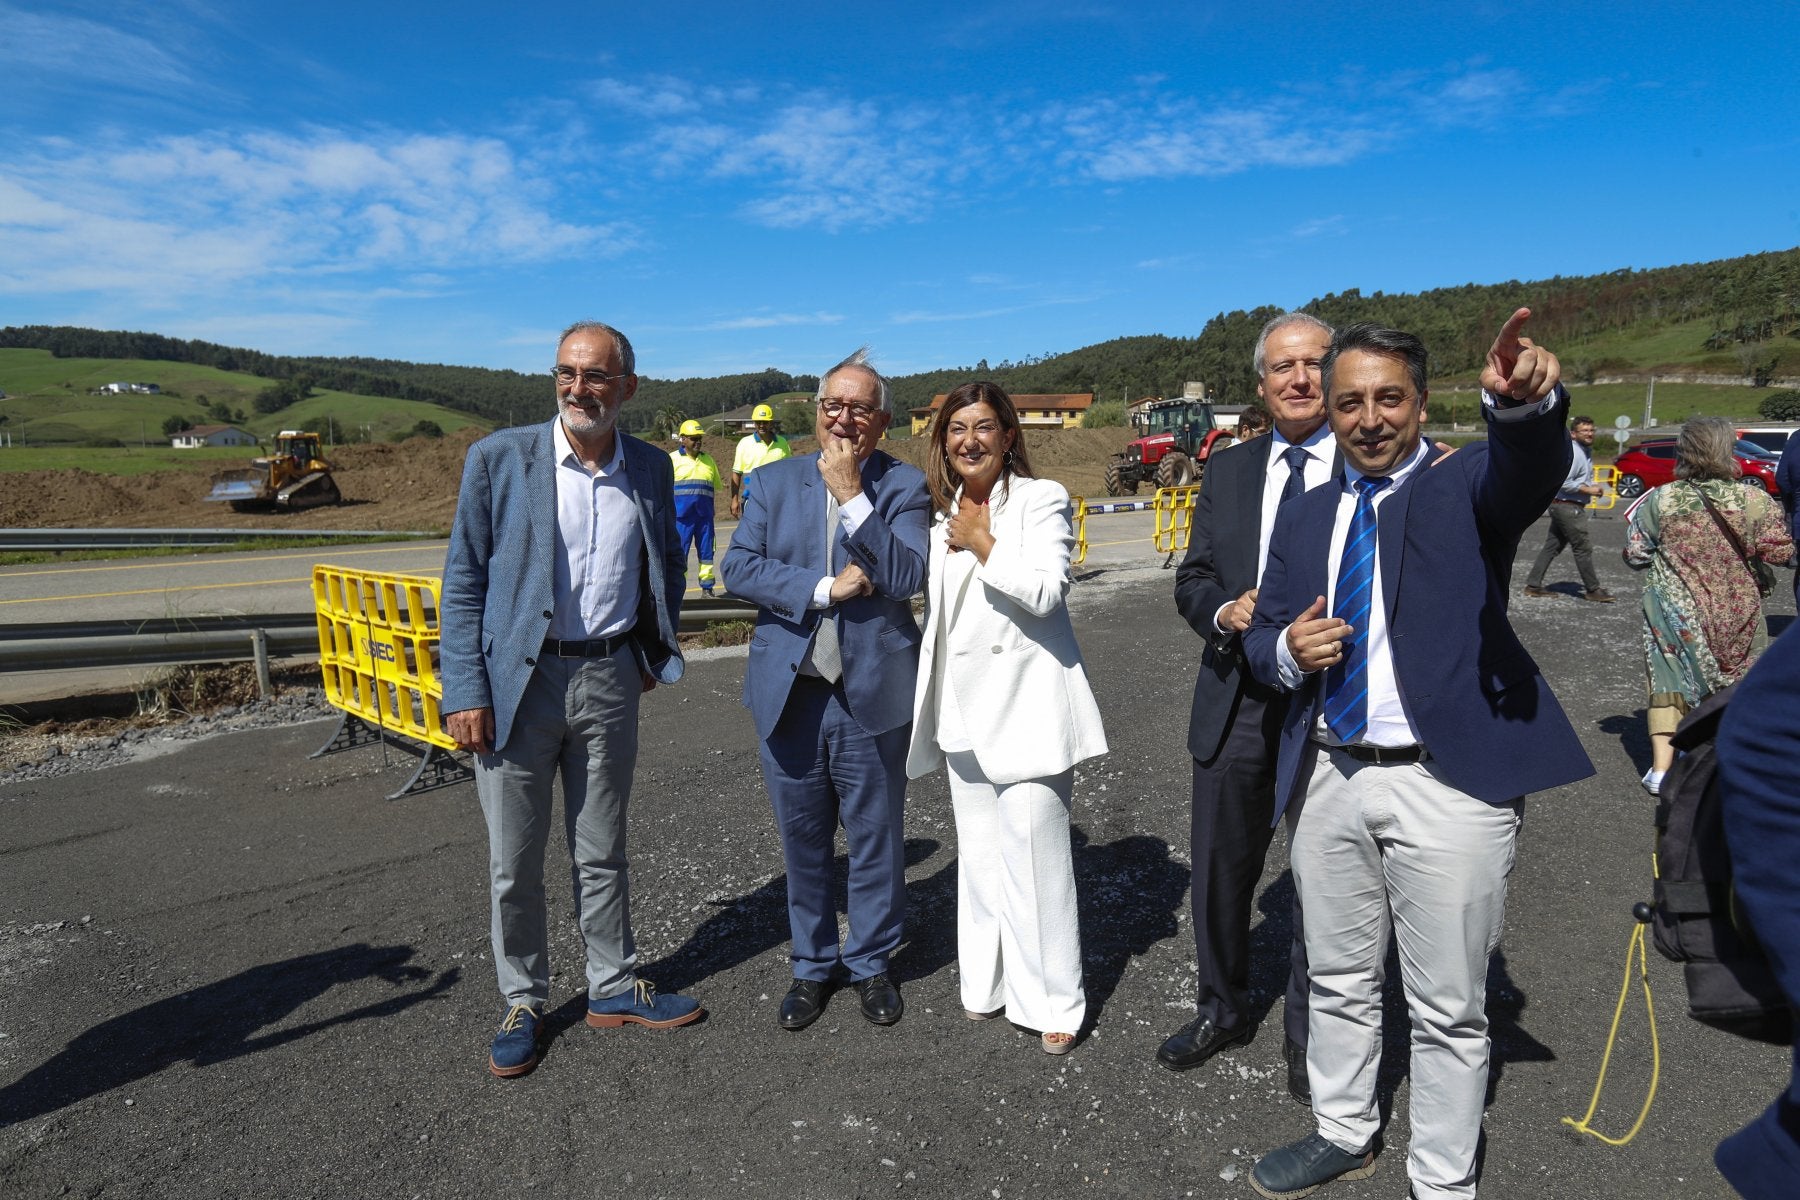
{"x": 407, "y": 485}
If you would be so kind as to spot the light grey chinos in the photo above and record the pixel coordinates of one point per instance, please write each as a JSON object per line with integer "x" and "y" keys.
{"x": 578, "y": 720}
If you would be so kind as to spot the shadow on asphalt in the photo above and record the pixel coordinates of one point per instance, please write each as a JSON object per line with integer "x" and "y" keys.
{"x": 1127, "y": 894}
{"x": 746, "y": 926}
{"x": 216, "y": 1023}
{"x": 1633, "y": 733}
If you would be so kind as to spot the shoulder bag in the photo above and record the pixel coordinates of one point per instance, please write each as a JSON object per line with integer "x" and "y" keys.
{"x": 1760, "y": 571}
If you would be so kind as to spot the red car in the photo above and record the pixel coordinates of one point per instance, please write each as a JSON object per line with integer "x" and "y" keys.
{"x": 1652, "y": 464}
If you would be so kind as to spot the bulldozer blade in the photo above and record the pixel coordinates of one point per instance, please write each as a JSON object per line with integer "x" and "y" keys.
{"x": 235, "y": 489}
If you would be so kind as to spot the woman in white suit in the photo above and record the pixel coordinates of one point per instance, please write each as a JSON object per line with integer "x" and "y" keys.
{"x": 1003, "y": 701}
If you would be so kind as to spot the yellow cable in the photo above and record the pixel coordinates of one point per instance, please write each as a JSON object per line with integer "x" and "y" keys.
{"x": 1633, "y": 947}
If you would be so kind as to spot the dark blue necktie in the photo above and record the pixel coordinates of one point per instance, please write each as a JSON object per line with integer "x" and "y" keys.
{"x": 1347, "y": 682}
{"x": 1296, "y": 481}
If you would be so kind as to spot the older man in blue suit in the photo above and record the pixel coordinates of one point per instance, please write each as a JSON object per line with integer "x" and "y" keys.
{"x": 1418, "y": 724}
{"x": 832, "y": 547}
{"x": 562, "y": 587}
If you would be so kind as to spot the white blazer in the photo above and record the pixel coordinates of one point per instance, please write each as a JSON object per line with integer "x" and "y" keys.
{"x": 1012, "y": 659}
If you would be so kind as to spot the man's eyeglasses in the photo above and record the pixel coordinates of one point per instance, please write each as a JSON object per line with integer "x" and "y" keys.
{"x": 593, "y": 378}
{"x": 862, "y": 414}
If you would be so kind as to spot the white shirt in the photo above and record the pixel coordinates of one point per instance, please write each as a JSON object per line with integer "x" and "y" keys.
{"x": 1388, "y": 724}
{"x": 850, "y": 519}
{"x": 597, "y": 579}
{"x": 1319, "y": 447}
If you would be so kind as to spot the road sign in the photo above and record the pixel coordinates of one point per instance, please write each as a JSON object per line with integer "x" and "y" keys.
{"x": 1621, "y": 436}
{"x": 1621, "y": 422}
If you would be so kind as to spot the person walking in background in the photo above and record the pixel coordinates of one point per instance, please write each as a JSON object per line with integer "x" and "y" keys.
{"x": 1003, "y": 701}
{"x": 696, "y": 486}
{"x": 1787, "y": 478}
{"x": 1568, "y": 522}
{"x": 1234, "y": 726}
{"x": 561, "y": 596}
{"x": 831, "y": 549}
{"x": 763, "y": 445}
{"x": 1703, "y": 618}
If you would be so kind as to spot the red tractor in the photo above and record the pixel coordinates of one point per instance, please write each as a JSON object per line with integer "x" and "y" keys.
{"x": 1176, "y": 437}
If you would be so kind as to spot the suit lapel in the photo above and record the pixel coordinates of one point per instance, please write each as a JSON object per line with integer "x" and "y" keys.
{"x": 1390, "y": 536}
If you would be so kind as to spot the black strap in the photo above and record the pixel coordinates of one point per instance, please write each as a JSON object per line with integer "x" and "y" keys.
{"x": 1737, "y": 543}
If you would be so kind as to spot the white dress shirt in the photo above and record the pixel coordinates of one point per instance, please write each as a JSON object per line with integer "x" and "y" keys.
{"x": 1319, "y": 447}
{"x": 599, "y": 545}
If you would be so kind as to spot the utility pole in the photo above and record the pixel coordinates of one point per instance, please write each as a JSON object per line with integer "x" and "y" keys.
{"x": 1649, "y": 400}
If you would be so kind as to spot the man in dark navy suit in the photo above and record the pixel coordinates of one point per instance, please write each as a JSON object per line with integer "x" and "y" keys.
{"x": 1418, "y": 723}
{"x": 1235, "y": 724}
{"x": 1759, "y": 764}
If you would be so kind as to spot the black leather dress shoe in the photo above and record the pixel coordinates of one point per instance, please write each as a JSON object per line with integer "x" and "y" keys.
{"x": 1198, "y": 1041}
{"x": 1299, "y": 1086}
{"x": 881, "y": 1001}
{"x": 803, "y": 1003}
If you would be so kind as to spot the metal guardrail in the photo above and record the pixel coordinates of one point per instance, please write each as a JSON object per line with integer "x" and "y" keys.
{"x": 131, "y": 539}
{"x": 53, "y": 646}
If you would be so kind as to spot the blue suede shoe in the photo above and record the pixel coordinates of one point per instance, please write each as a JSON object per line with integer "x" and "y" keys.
{"x": 515, "y": 1049}
{"x": 1298, "y": 1169}
{"x": 642, "y": 1006}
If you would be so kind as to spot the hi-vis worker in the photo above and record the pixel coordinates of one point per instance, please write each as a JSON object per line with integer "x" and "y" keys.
{"x": 696, "y": 481}
{"x": 763, "y": 446}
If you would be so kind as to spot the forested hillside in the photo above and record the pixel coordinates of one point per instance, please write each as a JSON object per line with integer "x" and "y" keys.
{"x": 1736, "y": 316}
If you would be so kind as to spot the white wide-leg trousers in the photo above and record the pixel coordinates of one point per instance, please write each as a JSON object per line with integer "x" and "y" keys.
{"x": 1018, "y": 937}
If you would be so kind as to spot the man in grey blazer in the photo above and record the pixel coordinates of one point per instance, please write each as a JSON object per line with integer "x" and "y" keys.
{"x": 1235, "y": 725}
{"x": 561, "y": 591}
{"x": 831, "y": 548}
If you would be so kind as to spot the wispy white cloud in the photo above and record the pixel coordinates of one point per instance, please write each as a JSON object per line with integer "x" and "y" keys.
{"x": 203, "y": 213}
{"x": 774, "y": 320}
{"x": 809, "y": 160}
{"x": 920, "y": 316}
{"x": 1332, "y": 226}
{"x": 47, "y": 45}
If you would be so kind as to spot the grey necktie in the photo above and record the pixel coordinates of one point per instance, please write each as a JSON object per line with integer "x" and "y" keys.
{"x": 826, "y": 659}
{"x": 1296, "y": 480}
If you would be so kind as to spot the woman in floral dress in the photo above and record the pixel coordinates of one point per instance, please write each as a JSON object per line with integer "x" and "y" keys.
{"x": 1703, "y": 620}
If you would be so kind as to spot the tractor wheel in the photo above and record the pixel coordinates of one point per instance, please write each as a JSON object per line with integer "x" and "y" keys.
{"x": 1117, "y": 484}
{"x": 1630, "y": 487}
{"x": 1175, "y": 470}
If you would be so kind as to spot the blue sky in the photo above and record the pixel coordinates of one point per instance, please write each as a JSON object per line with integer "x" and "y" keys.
{"x": 740, "y": 186}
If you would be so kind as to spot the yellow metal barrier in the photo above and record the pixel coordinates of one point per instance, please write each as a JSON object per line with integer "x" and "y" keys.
{"x": 378, "y": 637}
{"x": 1174, "y": 508}
{"x": 1608, "y": 478}
{"x": 1081, "y": 547}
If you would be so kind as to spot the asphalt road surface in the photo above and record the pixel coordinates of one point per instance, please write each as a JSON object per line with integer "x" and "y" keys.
{"x": 236, "y": 971}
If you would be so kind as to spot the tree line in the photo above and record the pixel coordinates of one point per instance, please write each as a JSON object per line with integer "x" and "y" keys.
{"x": 1745, "y": 300}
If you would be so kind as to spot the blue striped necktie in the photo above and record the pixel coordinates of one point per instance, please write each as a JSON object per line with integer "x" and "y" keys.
{"x": 1347, "y": 682}
{"x": 1296, "y": 481}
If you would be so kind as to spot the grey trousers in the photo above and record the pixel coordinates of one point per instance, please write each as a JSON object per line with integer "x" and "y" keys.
{"x": 1395, "y": 848}
{"x": 1568, "y": 527}
{"x": 578, "y": 720}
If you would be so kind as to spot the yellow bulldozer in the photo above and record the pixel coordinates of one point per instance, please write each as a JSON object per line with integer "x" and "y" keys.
{"x": 293, "y": 477}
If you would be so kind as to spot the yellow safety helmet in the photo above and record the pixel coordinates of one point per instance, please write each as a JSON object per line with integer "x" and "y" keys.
{"x": 692, "y": 429}
{"x": 762, "y": 412}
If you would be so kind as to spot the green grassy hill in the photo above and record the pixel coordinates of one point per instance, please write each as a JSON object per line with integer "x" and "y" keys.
{"x": 50, "y": 403}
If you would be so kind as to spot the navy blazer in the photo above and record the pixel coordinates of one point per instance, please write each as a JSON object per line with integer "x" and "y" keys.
{"x": 777, "y": 557}
{"x": 1447, "y": 538}
{"x": 498, "y": 593}
{"x": 1758, "y": 749}
{"x": 1220, "y": 566}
